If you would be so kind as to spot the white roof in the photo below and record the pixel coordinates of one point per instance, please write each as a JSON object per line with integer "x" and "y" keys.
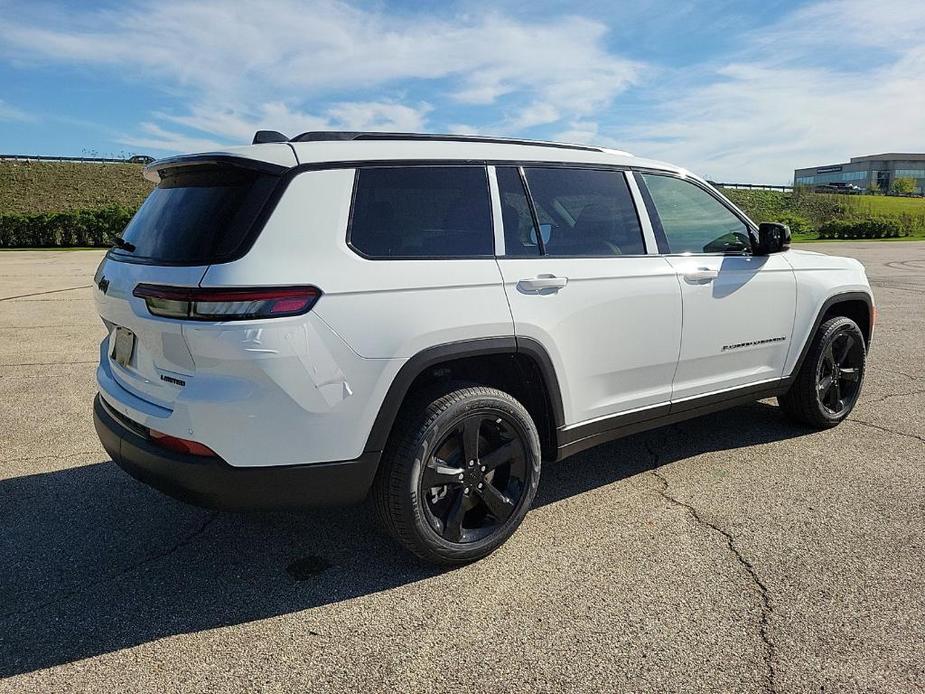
{"x": 291, "y": 154}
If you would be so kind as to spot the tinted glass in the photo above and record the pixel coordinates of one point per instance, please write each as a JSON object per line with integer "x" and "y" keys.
{"x": 692, "y": 220}
{"x": 198, "y": 216}
{"x": 422, "y": 211}
{"x": 519, "y": 234}
{"x": 588, "y": 212}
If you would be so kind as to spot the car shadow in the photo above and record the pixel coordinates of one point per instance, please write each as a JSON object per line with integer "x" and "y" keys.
{"x": 735, "y": 272}
{"x": 92, "y": 561}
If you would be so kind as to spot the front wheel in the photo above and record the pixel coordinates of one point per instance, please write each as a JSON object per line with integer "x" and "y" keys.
{"x": 459, "y": 474}
{"x": 829, "y": 382}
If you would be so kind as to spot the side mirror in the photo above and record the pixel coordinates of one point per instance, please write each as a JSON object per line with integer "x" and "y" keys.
{"x": 772, "y": 238}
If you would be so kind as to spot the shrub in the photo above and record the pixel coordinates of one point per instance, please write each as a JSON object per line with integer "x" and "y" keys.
{"x": 798, "y": 223}
{"x": 872, "y": 228}
{"x": 903, "y": 186}
{"x": 912, "y": 224}
{"x": 63, "y": 229}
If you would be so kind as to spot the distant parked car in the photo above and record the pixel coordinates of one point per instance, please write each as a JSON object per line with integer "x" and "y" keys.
{"x": 140, "y": 159}
{"x": 843, "y": 188}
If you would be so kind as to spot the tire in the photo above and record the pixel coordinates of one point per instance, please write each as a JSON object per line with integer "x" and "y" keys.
{"x": 438, "y": 511}
{"x": 828, "y": 384}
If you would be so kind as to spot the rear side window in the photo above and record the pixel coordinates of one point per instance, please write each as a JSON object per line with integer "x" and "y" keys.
{"x": 581, "y": 212}
{"x": 198, "y": 215}
{"x": 422, "y": 212}
{"x": 692, "y": 220}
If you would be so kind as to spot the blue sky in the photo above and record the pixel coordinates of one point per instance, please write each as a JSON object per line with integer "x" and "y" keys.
{"x": 740, "y": 91}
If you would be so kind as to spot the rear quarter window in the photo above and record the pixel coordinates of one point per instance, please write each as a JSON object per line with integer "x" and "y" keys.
{"x": 421, "y": 212}
{"x": 198, "y": 215}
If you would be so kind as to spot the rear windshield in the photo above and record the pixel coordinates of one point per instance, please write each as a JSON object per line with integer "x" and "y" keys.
{"x": 198, "y": 215}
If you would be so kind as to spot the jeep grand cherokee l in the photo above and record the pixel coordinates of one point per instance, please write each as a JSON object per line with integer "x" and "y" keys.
{"x": 428, "y": 319}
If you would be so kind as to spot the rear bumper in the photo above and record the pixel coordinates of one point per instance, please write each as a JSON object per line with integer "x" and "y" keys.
{"x": 213, "y": 483}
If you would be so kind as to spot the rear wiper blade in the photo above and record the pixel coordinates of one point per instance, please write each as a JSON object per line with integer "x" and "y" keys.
{"x": 119, "y": 242}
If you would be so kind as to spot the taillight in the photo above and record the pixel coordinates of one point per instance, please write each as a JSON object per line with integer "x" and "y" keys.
{"x": 179, "y": 445}
{"x": 227, "y": 304}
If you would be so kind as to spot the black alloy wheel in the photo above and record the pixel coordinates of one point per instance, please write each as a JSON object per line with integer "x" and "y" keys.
{"x": 828, "y": 384}
{"x": 459, "y": 472}
{"x": 474, "y": 478}
{"x": 838, "y": 378}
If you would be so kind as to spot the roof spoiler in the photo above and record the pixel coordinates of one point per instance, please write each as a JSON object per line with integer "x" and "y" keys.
{"x": 264, "y": 136}
{"x": 152, "y": 170}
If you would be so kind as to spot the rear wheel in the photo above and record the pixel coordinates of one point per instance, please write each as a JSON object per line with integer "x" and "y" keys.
{"x": 829, "y": 383}
{"x": 459, "y": 474}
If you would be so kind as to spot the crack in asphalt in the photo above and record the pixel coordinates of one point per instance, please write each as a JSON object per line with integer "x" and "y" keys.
{"x": 52, "y": 363}
{"x": 911, "y": 377}
{"x": 881, "y": 398}
{"x": 50, "y": 291}
{"x": 766, "y": 608}
{"x": 144, "y": 561}
{"x": 35, "y": 327}
{"x": 887, "y": 429}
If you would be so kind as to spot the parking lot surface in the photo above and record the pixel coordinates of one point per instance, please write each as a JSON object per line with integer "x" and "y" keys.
{"x": 734, "y": 552}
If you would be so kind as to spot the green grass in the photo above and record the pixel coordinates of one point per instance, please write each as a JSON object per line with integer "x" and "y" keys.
{"x": 888, "y": 206}
{"x": 806, "y": 212}
{"x": 41, "y": 186}
{"x": 56, "y": 249}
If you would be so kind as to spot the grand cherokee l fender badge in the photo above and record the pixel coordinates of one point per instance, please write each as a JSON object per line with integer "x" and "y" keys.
{"x": 752, "y": 343}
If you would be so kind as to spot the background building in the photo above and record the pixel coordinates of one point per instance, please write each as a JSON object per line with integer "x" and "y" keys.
{"x": 878, "y": 170}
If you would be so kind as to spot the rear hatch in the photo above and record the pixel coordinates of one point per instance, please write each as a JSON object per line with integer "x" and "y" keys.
{"x": 201, "y": 213}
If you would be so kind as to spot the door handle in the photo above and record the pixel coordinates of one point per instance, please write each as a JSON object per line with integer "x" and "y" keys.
{"x": 533, "y": 284}
{"x": 701, "y": 274}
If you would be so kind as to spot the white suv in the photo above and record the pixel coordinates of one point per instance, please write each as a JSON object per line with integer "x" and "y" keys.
{"x": 427, "y": 318}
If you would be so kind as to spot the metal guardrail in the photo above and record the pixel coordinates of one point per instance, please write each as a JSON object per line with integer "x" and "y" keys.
{"x": 135, "y": 159}
{"x": 752, "y": 186}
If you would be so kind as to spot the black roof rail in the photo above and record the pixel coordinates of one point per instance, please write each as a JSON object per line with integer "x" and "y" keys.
{"x": 343, "y": 135}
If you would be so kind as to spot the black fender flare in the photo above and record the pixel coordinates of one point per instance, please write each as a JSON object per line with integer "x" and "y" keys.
{"x": 431, "y": 356}
{"x": 826, "y": 305}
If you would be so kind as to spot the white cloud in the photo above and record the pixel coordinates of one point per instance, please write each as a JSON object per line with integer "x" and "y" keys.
{"x": 153, "y": 136}
{"x": 464, "y": 129}
{"x": 239, "y": 125}
{"x": 241, "y": 64}
{"x": 11, "y": 113}
{"x": 583, "y": 132}
{"x": 370, "y": 115}
{"x": 536, "y": 113}
{"x": 774, "y": 107}
{"x": 829, "y": 80}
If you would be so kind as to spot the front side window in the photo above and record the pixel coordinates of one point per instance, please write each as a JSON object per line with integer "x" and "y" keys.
{"x": 581, "y": 212}
{"x": 691, "y": 220}
{"x": 422, "y": 212}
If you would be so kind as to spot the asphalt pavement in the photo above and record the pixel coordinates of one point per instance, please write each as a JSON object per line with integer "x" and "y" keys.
{"x": 735, "y": 552}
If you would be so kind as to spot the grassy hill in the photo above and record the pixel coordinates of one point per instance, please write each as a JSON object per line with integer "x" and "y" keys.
{"x": 29, "y": 187}
{"x": 41, "y": 187}
{"x": 807, "y": 212}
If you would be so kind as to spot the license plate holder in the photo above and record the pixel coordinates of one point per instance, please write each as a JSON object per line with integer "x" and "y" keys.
{"x": 123, "y": 346}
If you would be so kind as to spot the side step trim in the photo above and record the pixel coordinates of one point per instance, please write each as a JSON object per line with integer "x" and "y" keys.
{"x": 584, "y": 436}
